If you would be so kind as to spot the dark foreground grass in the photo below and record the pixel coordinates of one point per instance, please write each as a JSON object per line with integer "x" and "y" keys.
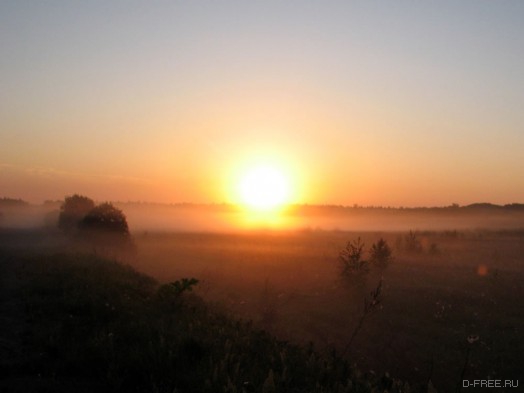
{"x": 83, "y": 323}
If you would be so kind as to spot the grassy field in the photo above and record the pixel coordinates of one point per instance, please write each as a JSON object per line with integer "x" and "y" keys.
{"x": 73, "y": 321}
{"x": 81, "y": 323}
{"x": 461, "y": 284}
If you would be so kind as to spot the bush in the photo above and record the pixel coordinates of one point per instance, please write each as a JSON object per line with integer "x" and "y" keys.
{"x": 73, "y": 210}
{"x": 412, "y": 243}
{"x": 105, "y": 219}
{"x": 381, "y": 254}
{"x": 174, "y": 290}
{"x": 351, "y": 260}
{"x": 434, "y": 250}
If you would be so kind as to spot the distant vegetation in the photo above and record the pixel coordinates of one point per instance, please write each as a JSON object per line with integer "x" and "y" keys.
{"x": 436, "y": 209}
{"x": 11, "y": 202}
{"x": 80, "y": 216}
{"x": 105, "y": 218}
{"x": 412, "y": 244}
{"x": 73, "y": 210}
{"x": 305, "y": 208}
{"x": 381, "y": 254}
{"x": 352, "y": 261}
{"x": 224, "y": 217}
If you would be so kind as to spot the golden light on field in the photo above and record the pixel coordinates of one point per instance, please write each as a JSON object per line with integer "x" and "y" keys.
{"x": 264, "y": 188}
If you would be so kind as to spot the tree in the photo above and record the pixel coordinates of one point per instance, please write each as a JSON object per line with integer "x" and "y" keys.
{"x": 73, "y": 210}
{"x": 105, "y": 219}
{"x": 380, "y": 253}
{"x": 351, "y": 259}
{"x": 12, "y": 202}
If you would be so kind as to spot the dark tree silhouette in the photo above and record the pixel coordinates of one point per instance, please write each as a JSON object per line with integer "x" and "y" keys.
{"x": 12, "y": 202}
{"x": 381, "y": 254}
{"x": 351, "y": 259}
{"x": 105, "y": 218}
{"x": 73, "y": 210}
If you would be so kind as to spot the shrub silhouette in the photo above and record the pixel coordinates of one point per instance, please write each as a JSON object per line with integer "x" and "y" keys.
{"x": 351, "y": 260}
{"x": 177, "y": 288}
{"x": 381, "y": 254}
{"x": 170, "y": 294}
{"x": 73, "y": 210}
{"x": 106, "y": 219}
{"x": 434, "y": 250}
{"x": 412, "y": 243}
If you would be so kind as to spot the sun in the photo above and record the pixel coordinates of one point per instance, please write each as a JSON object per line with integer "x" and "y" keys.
{"x": 264, "y": 188}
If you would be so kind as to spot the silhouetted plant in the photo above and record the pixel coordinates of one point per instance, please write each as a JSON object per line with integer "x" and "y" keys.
{"x": 412, "y": 243}
{"x": 370, "y": 305}
{"x": 351, "y": 259}
{"x": 73, "y": 210}
{"x": 471, "y": 339}
{"x": 434, "y": 250}
{"x": 183, "y": 285}
{"x": 381, "y": 254}
{"x": 172, "y": 292}
{"x": 105, "y": 218}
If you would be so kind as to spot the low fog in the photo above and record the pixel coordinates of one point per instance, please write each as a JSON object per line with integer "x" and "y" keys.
{"x": 455, "y": 273}
{"x": 143, "y": 217}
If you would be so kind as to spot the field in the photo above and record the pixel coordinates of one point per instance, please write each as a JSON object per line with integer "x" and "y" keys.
{"x": 458, "y": 285}
{"x": 77, "y": 321}
{"x": 261, "y": 196}
{"x": 468, "y": 283}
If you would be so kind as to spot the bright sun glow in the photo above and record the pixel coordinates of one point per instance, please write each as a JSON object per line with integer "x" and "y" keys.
{"x": 264, "y": 188}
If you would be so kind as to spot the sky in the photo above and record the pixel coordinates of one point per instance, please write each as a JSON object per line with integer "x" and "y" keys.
{"x": 404, "y": 103}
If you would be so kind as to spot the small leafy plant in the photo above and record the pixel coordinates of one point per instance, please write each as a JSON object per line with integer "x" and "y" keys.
{"x": 173, "y": 291}
{"x": 183, "y": 285}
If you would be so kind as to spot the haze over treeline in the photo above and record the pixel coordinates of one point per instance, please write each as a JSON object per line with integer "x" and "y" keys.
{"x": 17, "y": 213}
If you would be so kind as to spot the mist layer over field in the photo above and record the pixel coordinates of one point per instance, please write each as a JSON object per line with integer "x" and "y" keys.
{"x": 449, "y": 298}
{"x": 231, "y": 218}
{"x": 459, "y": 284}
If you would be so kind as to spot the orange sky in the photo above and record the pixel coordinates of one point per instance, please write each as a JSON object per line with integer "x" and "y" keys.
{"x": 403, "y": 104}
